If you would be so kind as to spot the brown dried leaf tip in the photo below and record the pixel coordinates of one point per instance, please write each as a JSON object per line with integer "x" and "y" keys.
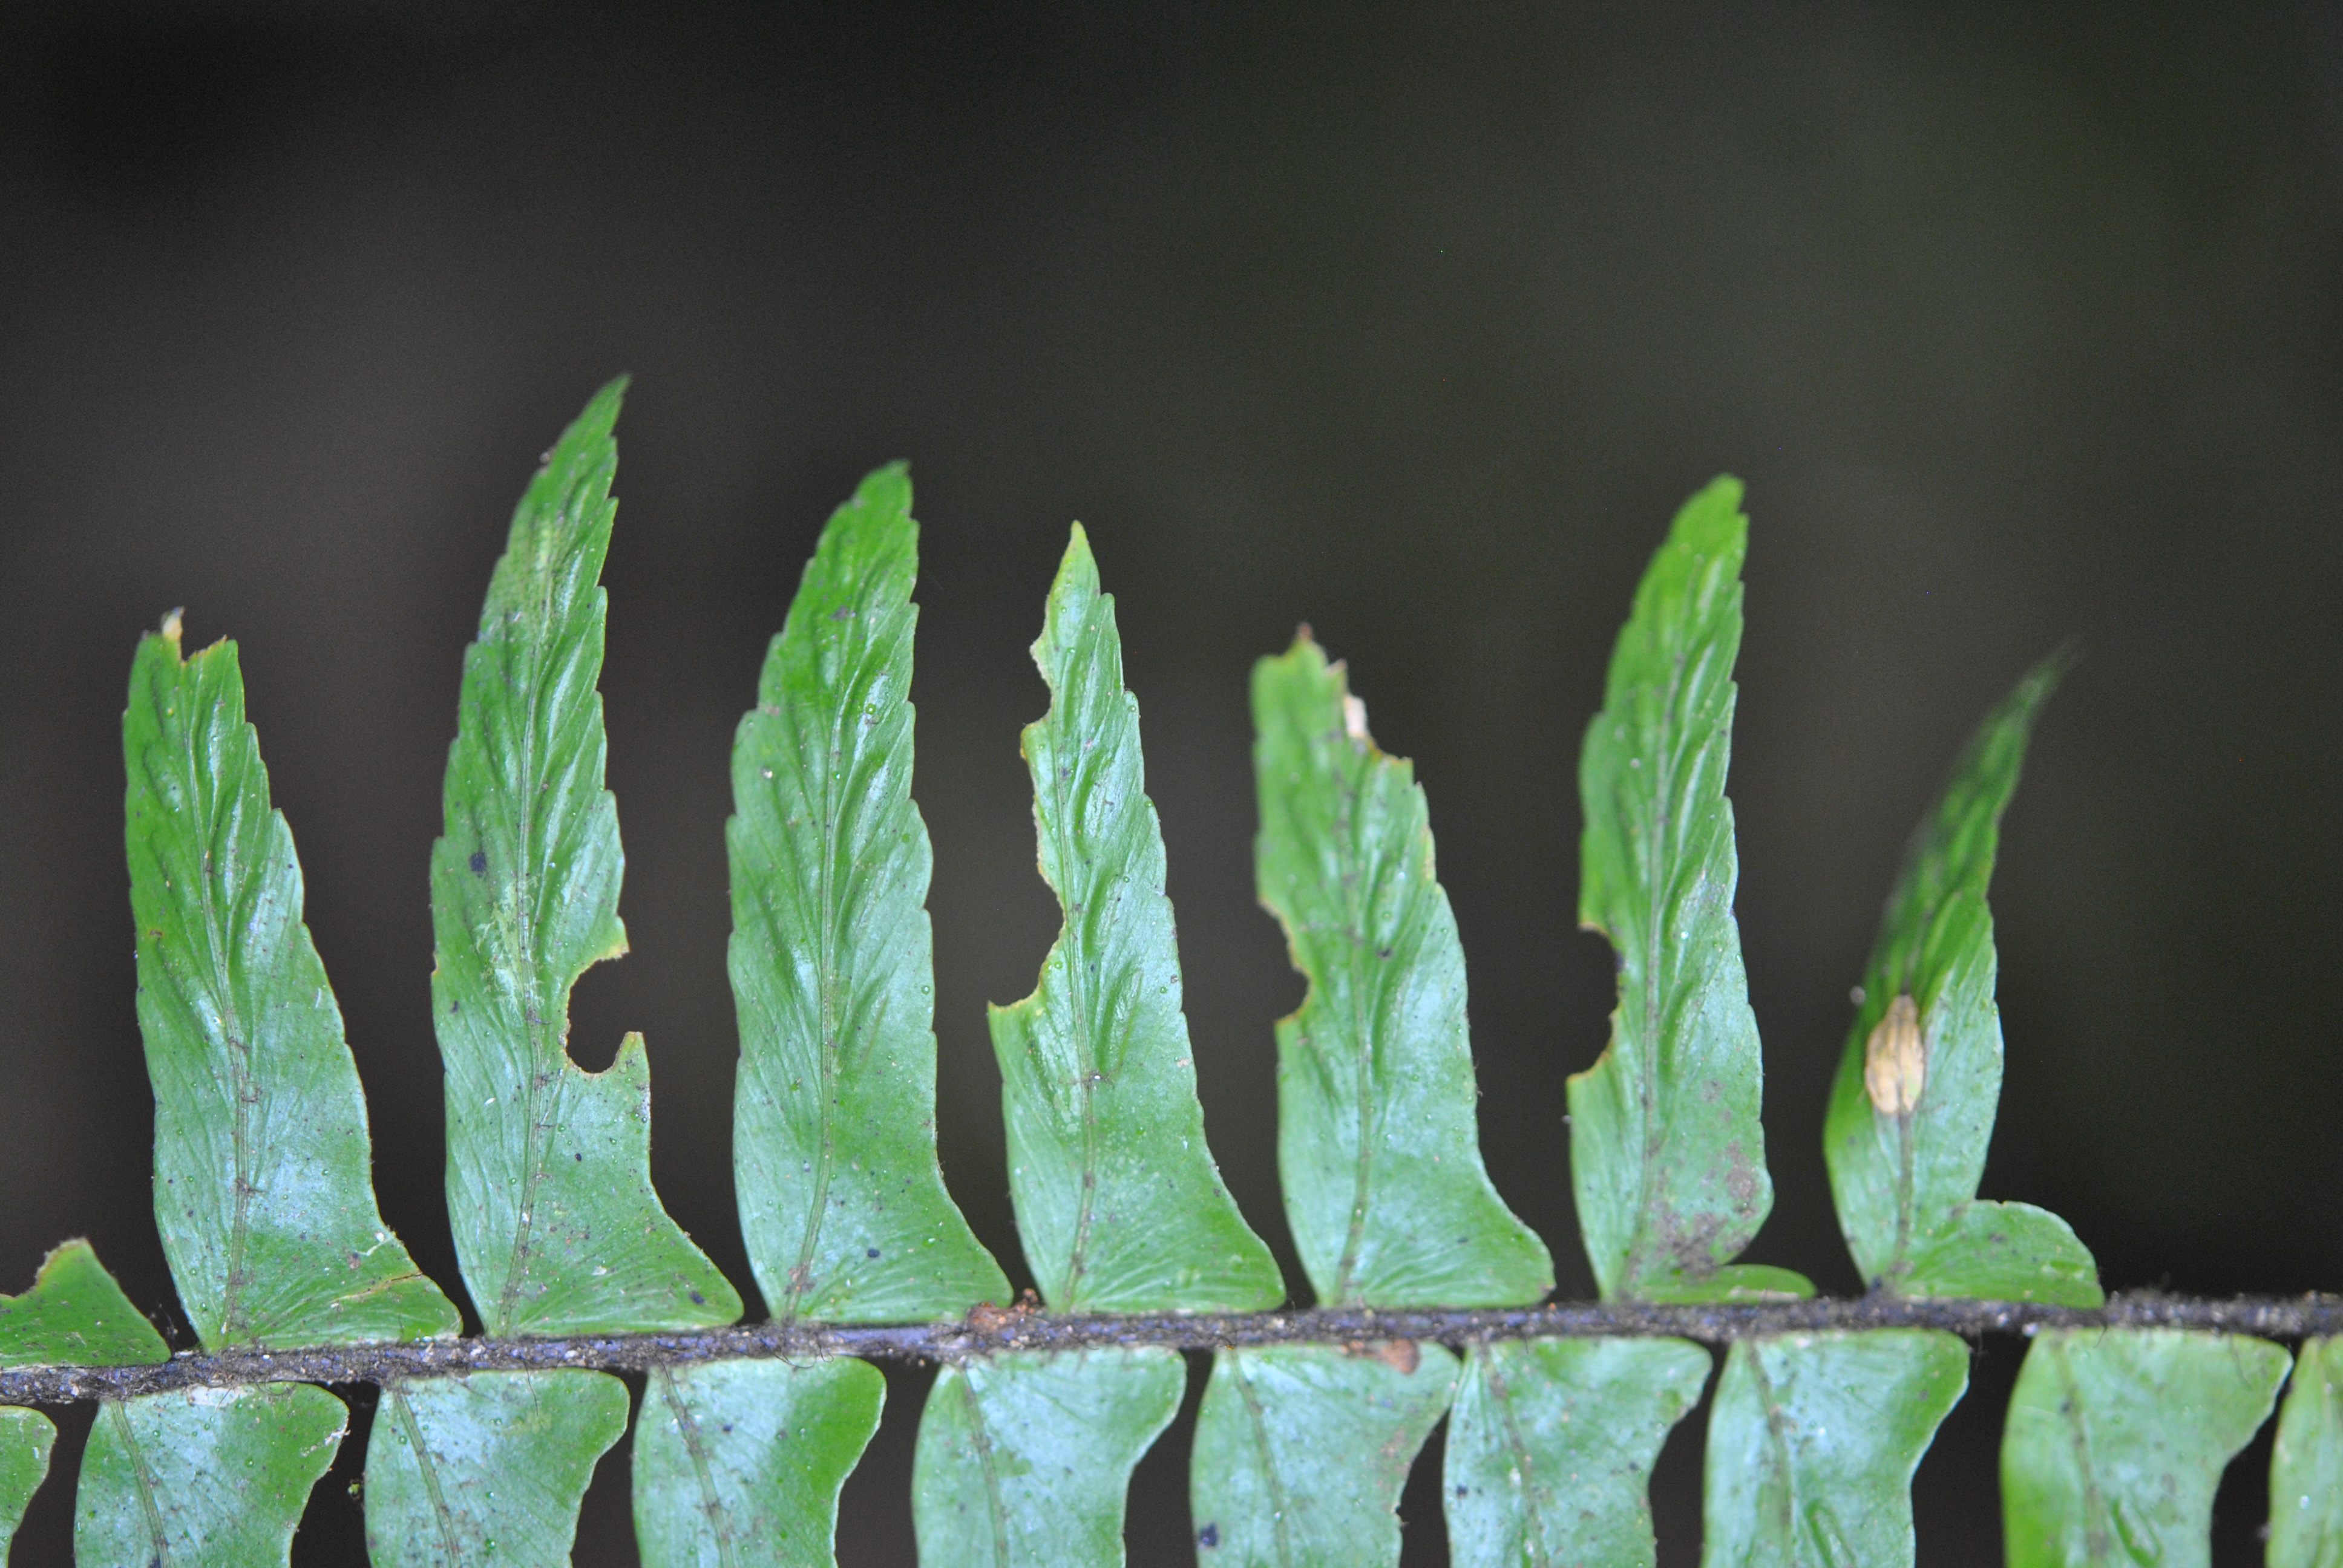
{"x": 1896, "y": 1059}
{"x": 987, "y": 1318}
{"x": 1401, "y": 1355}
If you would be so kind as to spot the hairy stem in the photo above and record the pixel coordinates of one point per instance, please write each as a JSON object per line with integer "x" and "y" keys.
{"x": 988, "y": 1331}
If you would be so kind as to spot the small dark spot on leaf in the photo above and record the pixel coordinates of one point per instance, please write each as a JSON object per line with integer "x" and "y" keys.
{"x": 1210, "y": 1535}
{"x": 843, "y": 612}
{"x": 698, "y": 1300}
{"x": 479, "y": 862}
{"x": 1464, "y": 1491}
{"x": 870, "y": 1252}
{"x": 579, "y": 1157}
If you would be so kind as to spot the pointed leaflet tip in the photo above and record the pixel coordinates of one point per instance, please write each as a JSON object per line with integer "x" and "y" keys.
{"x": 1119, "y": 1203}
{"x": 264, "y": 1188}
{"x": 834, "y": 1156}
{"x": 549, "y": 1167}
{"x": 1920, "y": 1081}
{"x": 1667, "y": 1155}
{"x": 1078, "y": 579}
{"x": 599, "y": 418}
{"x": 1378, "y": 1140}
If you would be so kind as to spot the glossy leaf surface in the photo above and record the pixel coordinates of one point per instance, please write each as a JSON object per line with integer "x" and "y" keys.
{"x": 1378, "y": 1141}
{"x": 26, "y": 1438}
{"x": 1905, "y": 1177}
{"x": 1302, "y": 1451}
{"x": 833, "y": 1138}
{"x": 486, "y": 1469}
{"x": 76, "y": 1315}
{"x": 264, "y": 1184}
{"x": 549, "y": 1166}
{"x": 1812, "y": 1442}
{"x": 740, "y": 1462}
{"x": 2306, "y": 1465}
{"x": 1024, "y": 1460}
{"x": 2116, "y": 1439}
{"x": 215, "y": 1477}
{"x": 1119, "y": 1203}
{"x": 1551, "y": 1445}
{"x": 1667, "y": 1157}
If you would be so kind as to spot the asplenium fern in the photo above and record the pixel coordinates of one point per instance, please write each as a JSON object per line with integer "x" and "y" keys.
{"x": 1427, "y": 1287}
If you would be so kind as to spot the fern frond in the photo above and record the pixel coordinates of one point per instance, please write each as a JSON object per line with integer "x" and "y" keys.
{"x": 1905, "y": 1161}
{"x": 76, "y": 1315}
{"x": 2306, "y": 1464}
{"x": 549, "y": 1166}
{"x": 26, "y": 1438}
{"x": 481, "y": 1450}
{"x": 1024, "y": 1461}
{"x": 1812, "y": 1444}
{"x": 1551, "y": 1446}
{"x": 1667, "y": 1157}
{"x": 833, "y": 1138}
{"x": 1300, "y": 1454}
{"x": 1118, "y": 1201}
{"x": 210, "y": 1475}
{"x": 487, "y": 1469}
{"x": 1377, "y": 1139}
{"x": 741, "y": 1462}
{"x": 264, "y": 1185}
{"x": 2116, "y": 1442}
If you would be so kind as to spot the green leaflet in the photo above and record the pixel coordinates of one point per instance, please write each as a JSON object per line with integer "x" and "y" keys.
{"x": 2116, "y": 1439}
{"x": 1905, "y": 1175}
{"x": 1551, "y": 1445}
{"x": 1119, "y": 1203}
{"x": 263, "y": 1182}
{"x": 833, "y": 1140}
{"x": 26, "y": 1438}
{"x": 740, "y": 1462}
{"x": 486, "y": 1469}
{"x": 1378, "y": 1143}
{"x": 76, "y": 1315}
{"x": 1301, "y": 1452}
{"x": 210, "y": 1478}
{"x": 1668, "y": 1158}
{"x": 549, "y": 1166}
{"x": 2307, "y": 1466}
{"x": 1812, "y": 1444}
{"x": 1025, "y": 1459}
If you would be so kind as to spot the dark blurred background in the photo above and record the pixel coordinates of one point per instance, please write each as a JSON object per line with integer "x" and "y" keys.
{"x": 1416, "y": 322}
